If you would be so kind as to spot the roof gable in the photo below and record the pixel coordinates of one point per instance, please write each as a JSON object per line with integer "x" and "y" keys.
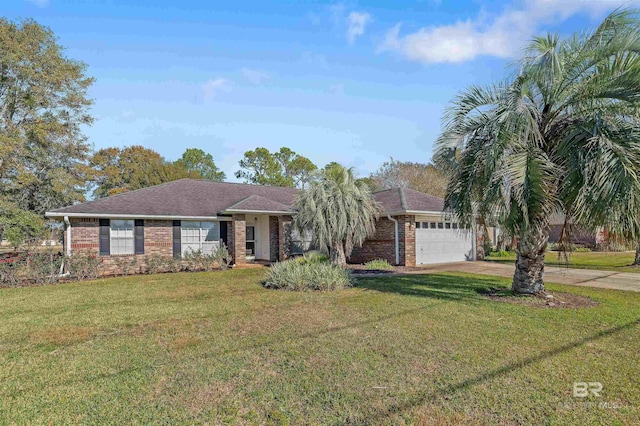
{"x": 256, "y": 203}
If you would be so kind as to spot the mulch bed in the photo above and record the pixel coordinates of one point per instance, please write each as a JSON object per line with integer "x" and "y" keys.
{"x": 546, "y": 299}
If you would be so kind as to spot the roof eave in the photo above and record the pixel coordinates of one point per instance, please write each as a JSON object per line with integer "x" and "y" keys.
{"x": 404, "y": 212}
{"x": 243, "y": 211}
{"x": 133, "y": 216}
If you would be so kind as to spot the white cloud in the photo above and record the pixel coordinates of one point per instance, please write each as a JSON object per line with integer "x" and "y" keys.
{"x": 492, "y": 35}
{"x": 212, "y": 87}
{"x": 254, "y": 76}
{"x": 357, "y": 22}
{"x": 127, "y": 113}
{"x": 39, "y": 3}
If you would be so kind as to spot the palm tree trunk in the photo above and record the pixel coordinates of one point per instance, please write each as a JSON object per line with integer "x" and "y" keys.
{"x": 530, "y": 249}
{"x": 336, "y": 253}
{"x": 636, "y": 261}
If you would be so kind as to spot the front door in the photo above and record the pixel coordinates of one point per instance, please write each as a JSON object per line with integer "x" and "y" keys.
{"x": 251, "y": 241}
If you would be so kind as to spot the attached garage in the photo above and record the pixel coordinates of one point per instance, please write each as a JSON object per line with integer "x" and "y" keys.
{"x": 414, "y": 229}
{"x": 442, "y": 241}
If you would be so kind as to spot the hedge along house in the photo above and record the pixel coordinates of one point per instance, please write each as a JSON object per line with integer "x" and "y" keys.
{"x": 253, "y": 221}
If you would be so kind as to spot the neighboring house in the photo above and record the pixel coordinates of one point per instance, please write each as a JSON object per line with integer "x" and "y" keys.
{"x": 580, "y": 236}
{"x": 253, "y": 221}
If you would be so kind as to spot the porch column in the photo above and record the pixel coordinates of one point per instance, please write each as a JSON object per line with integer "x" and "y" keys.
{"x": 284, "y": 228}
{"x": 274, "y": 238}
{"x": 239, "y": 244}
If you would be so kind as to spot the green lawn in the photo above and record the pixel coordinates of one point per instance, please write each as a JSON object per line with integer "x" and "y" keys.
{"x": 218, "y": 348}
{"x": 606, "y": 261}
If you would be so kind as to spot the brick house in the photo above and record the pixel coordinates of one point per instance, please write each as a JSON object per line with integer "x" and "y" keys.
{"x": 253, "y": 221}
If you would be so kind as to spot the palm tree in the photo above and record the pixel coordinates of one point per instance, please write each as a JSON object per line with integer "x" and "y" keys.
{"x": 562, "y": 136}
{"x": 338, "y": 210}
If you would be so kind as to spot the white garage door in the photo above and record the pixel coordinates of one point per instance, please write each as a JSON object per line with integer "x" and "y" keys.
{"x": 442, "y": 242}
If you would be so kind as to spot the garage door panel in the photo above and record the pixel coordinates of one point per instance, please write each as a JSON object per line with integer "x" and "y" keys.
{"x": 442, "y": 245}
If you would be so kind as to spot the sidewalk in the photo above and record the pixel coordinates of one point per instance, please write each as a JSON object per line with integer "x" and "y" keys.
{"x": 553, "y": 274}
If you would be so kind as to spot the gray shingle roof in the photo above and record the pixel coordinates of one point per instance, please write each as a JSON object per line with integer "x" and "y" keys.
{"x": 201, "y": 198}
{"x": 397, "y": 200}
{"x": 184, "y": 197}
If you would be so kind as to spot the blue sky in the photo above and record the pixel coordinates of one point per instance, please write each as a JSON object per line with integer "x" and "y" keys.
{"x": 353, "y": 82}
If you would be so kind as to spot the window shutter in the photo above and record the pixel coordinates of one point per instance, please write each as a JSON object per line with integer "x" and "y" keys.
{"x": 139, "y": 236}
{"x": 177, "y": 240}
{"x": 104, "y": 237}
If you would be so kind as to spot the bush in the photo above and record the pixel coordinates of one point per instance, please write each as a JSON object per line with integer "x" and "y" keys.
{"x": 172, "y": 264}
{"x": 221, "y": 257}
{"x": 301, "y": 276}
{"x": 378, "y": 265}
{"x": 155, "y": 264}
{"x": 127, "y": 265}
{"x": 83, "y": 267}
{"x": 43, "y": 267}
{"x": 313, "y": 257}
{"x": 11, "y": 272}
{"x": 194, "y": 260}
{"x": 582, "y": 250}
{"x": 501, "y": 253}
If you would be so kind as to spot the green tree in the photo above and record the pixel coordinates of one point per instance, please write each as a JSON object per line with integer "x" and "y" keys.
{"x": 19, "y": 226}
{"x": 199, "y": 162}
{"x": 561, "y": 136}
{"x": 338, "y": 210}
{"x": 43, "y": 106}
{"x": 282, "y": 168}
{"x": 425, "y": 178}
{"x": 116, "y": 170}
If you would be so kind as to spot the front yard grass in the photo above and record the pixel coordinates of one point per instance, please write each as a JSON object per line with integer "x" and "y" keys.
{"x": 219, "y": 348}
{"x": 605, "y": 261}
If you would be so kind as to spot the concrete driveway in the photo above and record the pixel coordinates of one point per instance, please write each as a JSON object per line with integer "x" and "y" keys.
{"x": 553, "y": 274}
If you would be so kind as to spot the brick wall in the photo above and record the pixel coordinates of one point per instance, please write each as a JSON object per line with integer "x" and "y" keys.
{"x": 158, "y": 237}
{"x": 382, "y": 244}
{"x": 407, "y": 237}
{"x": 85, "y": 240}
{"x": 84, "y": 236}
{"x": 238, "y": 248}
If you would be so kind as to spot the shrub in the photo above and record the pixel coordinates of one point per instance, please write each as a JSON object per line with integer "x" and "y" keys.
{"x": 378, "y": 265}
{"x": 155, "y": 264}
{"x": 11, "y": 273}
{"x": 313, "y": 257}
{"x": 194, "y": 260}
{"x": 83, "y": 267}
{"x": 501, "y": 253}
{"x": 582, "y": 250}
{"x": 127, "y": 265}
{"x": 43, "y": 267}
{"x": 172, "y": 264}
{"x": 301, "y": 276}
{"x": 221, "y": 257}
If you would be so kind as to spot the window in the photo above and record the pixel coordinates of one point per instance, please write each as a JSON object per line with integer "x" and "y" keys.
{"x": 454, "y": 225}
{"x": 251, "y": 241}
{"x": 425, "y": 225}
{"x": 440, "y": 225}
{"x": 202, "y": 236}
{"x": 447, "y": 225}
{"x": 433, "y": 225}
{"x": 417, "y": 225}
{"x": 121, "y": 237}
